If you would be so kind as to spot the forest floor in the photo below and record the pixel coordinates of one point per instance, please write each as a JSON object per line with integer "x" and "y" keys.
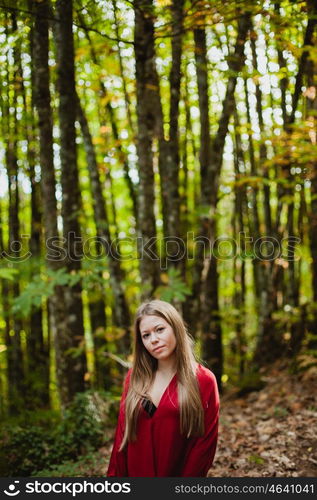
{"x": 268, "y": 432}
{"x": 271, "y": 432}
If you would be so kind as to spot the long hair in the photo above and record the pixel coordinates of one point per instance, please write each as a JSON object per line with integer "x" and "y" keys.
{"x": 144, "y": 367}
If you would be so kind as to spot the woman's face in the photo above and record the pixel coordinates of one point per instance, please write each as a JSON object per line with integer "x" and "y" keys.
{"x": 158, "y": 337}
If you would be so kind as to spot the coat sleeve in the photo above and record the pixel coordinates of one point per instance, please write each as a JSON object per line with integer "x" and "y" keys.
{"x": 201, "y": 451}
{"x": 118, "y": 459}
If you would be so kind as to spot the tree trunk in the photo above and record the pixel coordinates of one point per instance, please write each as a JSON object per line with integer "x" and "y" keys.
{"x": 4, "y": 296}
{"x": 206, "y": 267}
{"x": 37, "y": 348}
{"x": 147, "y": 109}
{"x": 98, "y": 322}
{"x": 240, "y": 208}
{"x": 169, "y": 149}
{"x": 254, "y": 219}
{"x": 192, "y": 309}
{"x": 311, "y": 107}
{"x": 56, "y": 304}
{"x": 267, "y": 269}
{"x": 112, "y": 116}
{"x": 15, "y": 362}
{"x": 127, "y": 100}
{"x": 74, "y": 339}
{"x": 120, "y": 306}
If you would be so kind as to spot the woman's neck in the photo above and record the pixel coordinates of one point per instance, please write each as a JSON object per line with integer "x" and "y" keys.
{"x": 167, "y": 366}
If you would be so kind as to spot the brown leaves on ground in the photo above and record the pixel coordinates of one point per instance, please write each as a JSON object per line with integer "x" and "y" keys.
{"x": 271, "y": 432}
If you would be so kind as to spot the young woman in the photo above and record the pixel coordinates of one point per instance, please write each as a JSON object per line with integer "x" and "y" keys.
{"x": 168, "y": 419}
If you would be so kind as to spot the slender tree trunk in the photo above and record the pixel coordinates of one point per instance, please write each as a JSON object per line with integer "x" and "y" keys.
{"x": 184, "y": 175}
{"x": 192, "y": 310}
{"x": 8, "y": 404}
{"x": 266, "y": 268}
{"x": 57, "y": 302}
{"x": 4, "y": 294}
{"x": 3, "y": 283}
{"x": 169, "y": 150}
{"x": 71, "y": 203}
{"x": 241, "y": 207}
{"x": 111, "y": 115}
{"x": 114, "y": 220}
{"x": 42, "y": 99}
{"x": 206, "y": 267}
{"x": 127, "y": 100}
{"x": 147, "y": 110}
{"x": 98, "y": 322}
{"x": 37, "y": 348}
{"x": 311, "y": 107}
{"x": 15, "y": 361}
{"x": 263, "y": 150}
{"x": 254, "y": 220}
{"x": 173, "y": 250}
{"x": 120, "y": 306}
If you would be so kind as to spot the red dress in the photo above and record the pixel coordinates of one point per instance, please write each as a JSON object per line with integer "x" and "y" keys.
{"x": 160, "y": 450}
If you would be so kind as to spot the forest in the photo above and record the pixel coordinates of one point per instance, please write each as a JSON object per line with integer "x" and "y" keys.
{"x": 156, "y": 149}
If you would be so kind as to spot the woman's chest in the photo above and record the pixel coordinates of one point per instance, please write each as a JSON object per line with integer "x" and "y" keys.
{"x": 159, "y": 389}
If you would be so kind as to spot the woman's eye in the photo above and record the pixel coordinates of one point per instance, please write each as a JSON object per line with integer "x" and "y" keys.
{"x": 145, "y": 336}
{"x": 160, "y": 329}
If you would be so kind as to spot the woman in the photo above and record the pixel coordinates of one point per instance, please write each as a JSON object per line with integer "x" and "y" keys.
{"x": 168, "y": 419}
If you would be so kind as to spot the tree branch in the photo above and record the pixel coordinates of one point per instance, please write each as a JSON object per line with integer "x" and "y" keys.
{"x": 56, "y": 20}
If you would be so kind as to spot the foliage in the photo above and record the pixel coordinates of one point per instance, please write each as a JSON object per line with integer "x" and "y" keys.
{"x": 305, "y": 362}
{"x": 40, "y": 288}
{"x": 7, "y": 273}
{"x": 87, "y": 465}
{"x": 250, "y": 381}
{"x": 174, "y": 287}
{"x": 29, "y": 448}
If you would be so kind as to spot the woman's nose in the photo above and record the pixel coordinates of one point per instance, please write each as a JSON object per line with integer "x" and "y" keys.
{"x": 153, "y": 337}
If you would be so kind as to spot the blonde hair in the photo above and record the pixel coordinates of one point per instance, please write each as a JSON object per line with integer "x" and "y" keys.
{"x": 144, "y": 367}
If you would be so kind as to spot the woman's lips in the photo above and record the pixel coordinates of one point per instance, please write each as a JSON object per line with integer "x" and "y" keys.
{"x": 158, "y": 348}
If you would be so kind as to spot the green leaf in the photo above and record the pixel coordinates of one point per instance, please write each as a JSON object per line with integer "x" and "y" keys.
{"x": 175, "y": 288}
{"x": 8, "y": 274}
{"x": 41, "y": 288}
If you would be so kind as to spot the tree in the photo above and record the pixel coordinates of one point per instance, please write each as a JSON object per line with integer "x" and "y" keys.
{"x": 148, "y": 106}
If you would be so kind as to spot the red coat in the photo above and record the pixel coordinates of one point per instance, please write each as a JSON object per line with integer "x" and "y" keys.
{"x": 160, "y": 450}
